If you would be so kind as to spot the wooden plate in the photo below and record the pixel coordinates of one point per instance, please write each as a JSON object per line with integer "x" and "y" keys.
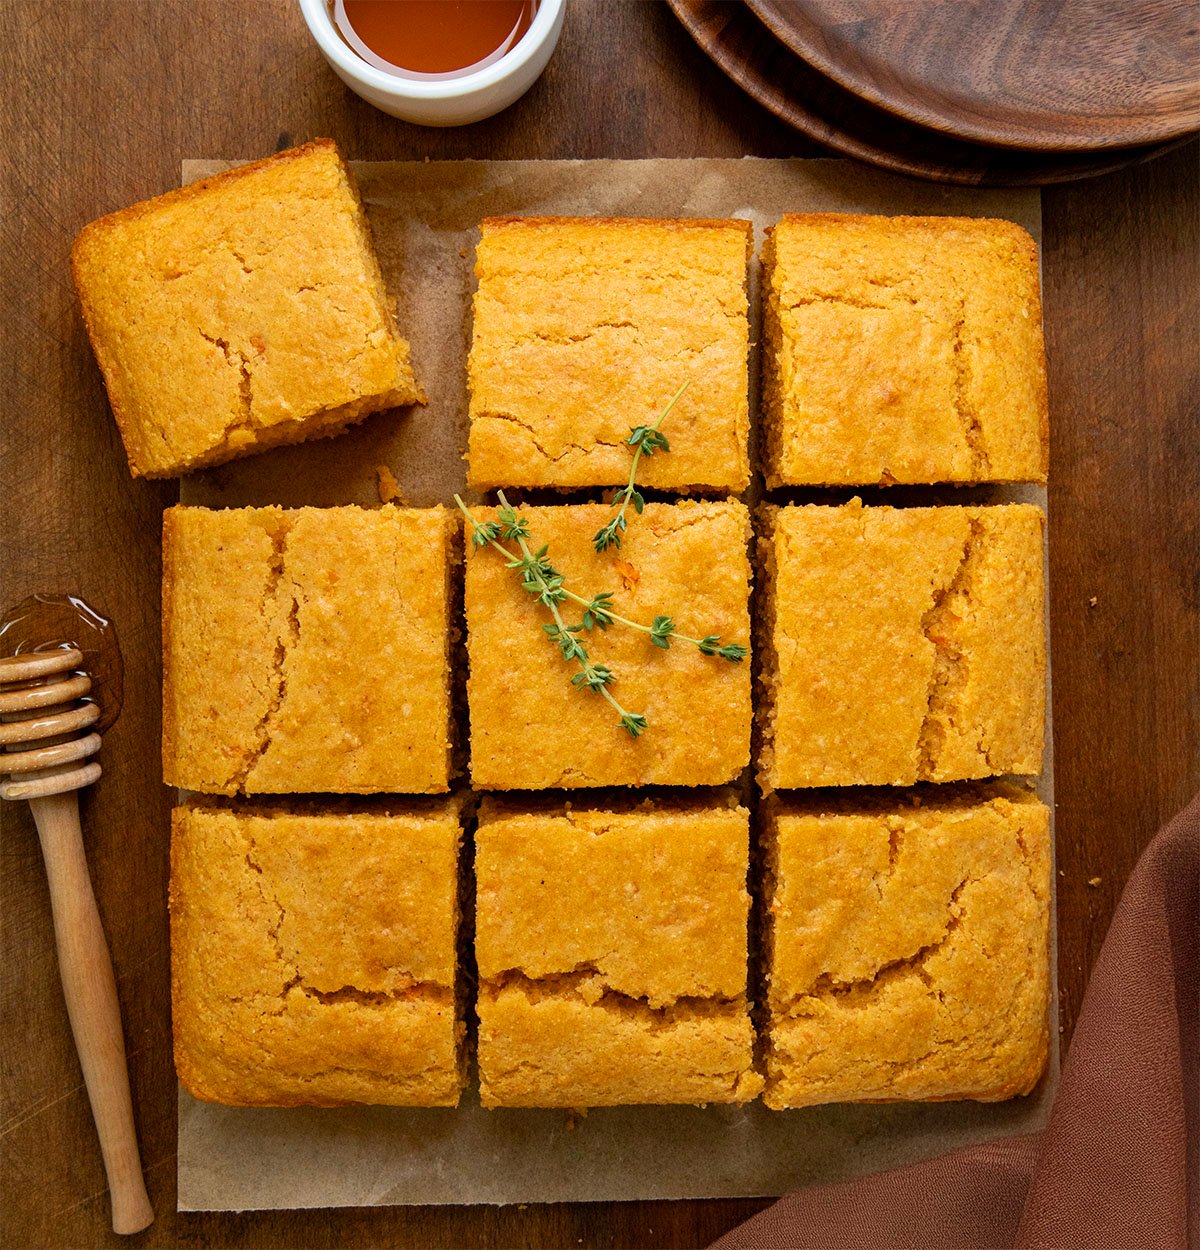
{"x": 1051, "y": 75}
{"x": 804, "y": 98}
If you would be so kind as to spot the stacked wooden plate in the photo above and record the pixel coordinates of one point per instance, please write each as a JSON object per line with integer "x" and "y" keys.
{"x": 980, "y": 92}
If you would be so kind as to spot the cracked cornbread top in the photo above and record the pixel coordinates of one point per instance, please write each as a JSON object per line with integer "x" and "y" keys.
{"x": 907, "y": 945}
{"x": 902, "y": 349}
{"x": 901, "y": 644}
{"x": 306, "y": 650}
{"x": 655, "y": 898}
{"x": 584, "y": 327}
{"x": 612, "y": 954}
{"x": 313, "y": 954}
{"x": 241, "y": 312}
{"x": 530, "y": 729}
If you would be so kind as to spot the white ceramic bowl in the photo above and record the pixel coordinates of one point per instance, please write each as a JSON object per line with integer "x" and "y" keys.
{"x": 448, "y": 101}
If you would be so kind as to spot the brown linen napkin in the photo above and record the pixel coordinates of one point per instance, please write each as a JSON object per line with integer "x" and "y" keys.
{"x": 1117, "y": 1166}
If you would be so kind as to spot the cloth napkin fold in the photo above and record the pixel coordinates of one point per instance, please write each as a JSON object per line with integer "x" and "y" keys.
{"x": 1118, "y": 1163}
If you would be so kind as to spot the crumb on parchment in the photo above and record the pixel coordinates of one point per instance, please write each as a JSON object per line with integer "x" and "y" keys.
{"x": 389, "y": 488}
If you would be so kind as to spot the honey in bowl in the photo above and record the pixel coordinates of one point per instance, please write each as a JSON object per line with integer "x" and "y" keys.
{"x": 432, "y": 38}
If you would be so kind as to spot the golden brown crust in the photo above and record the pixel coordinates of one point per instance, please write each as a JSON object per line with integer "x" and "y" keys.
{"x": 667, "y": 223}
{"x": 901, "y": 645}
{"x": 200, "y": 306}
{"x": 768, "y": 675}
{"x": 556, "y": 890}
{"x": 170, "y": 736}
{"x": 276, "y": 999}
{"x": 611, "y": 947}
{"x": 934, "y": 225}
{"x": 531, "y": 729}
{"x": 586, "y": 327}
{"x": 559, "y": 1050}
{"x": 902, "y": 349}
{"x": 194, "y": 190}
{"x": 908, "y": 946}
{"x": 307, "y": 650}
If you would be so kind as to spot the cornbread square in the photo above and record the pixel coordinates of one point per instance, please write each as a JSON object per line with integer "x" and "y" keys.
{"x": 902, "y": 349}
{"x": 908, "y": 947}
{"x": 611, "y": 947}
{"x": 901, "y": 645}
{"x": 313, "y": 955}
{"x": 585, "y": 328}
{"x": 241, "y": 312}
{"x": 307, "y": 650}
{"x": 532, "y": 729}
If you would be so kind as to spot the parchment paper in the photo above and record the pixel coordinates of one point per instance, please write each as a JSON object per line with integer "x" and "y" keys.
{"x": 425, "y": 216}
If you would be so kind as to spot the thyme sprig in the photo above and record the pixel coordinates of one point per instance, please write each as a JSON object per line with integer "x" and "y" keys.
{"x": 598, "y": 614}
{"x": 645, "y": 440}
{"x": 540, "y": 579}
{"x": 548, "y": 585}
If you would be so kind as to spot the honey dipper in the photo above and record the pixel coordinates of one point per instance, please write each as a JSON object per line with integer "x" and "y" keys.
{"x": 47, "y": 740}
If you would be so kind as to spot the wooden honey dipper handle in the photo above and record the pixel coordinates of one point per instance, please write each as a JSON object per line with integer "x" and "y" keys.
{"x": 83, "y": 959}
{"x": 91, "y": 993}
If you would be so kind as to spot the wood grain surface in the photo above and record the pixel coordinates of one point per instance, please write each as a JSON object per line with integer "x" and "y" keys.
{"x": 102, "y": 99}
{"x": 767, "y": 69}
{"x": 1059, "y": 75}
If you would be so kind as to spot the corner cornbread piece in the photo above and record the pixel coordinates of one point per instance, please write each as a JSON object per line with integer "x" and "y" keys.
{"x": 908, "y": 946}
{"x": 612, "y": 955}
{"x": 531, "y": 729}
{"x": 313, "y": 955}
{"x": 901, "y": 645}
{"x": 902, "y": 349}
{"x": 241, "y": 312}
{"x": 307, "y": 650}
{"x": 585, "y": 327}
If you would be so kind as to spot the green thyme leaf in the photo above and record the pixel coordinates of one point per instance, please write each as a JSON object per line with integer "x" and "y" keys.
{"x": 600, "y": 675}
{"x": 661, "y": 631}
{"x": 610, "y": 535}
{"x": 485, "y": 532}
{"x": 648, "y": 439}
{"x": 598, "y": 614}
{"x": 512, "y": 526}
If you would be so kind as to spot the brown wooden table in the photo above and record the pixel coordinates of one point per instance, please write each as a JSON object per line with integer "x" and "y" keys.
{"x": 102, "y": 100}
